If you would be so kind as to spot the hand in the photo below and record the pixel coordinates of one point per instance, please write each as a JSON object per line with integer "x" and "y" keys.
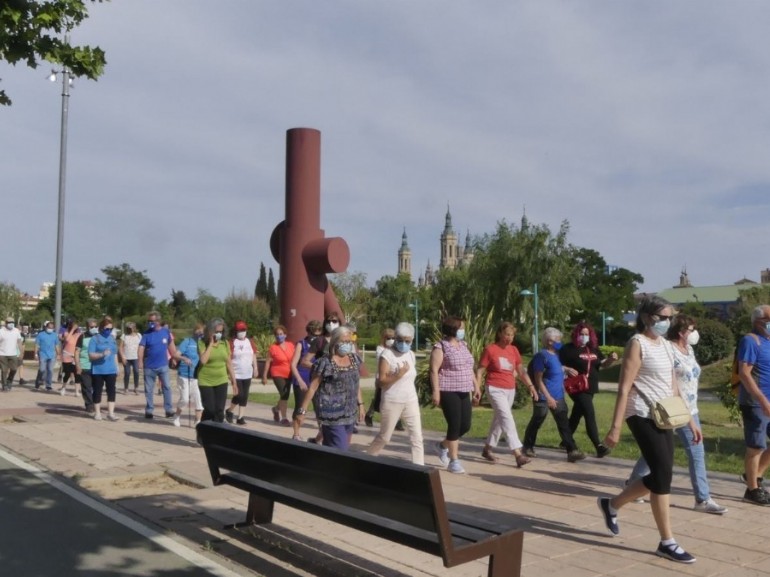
{"x": 697, "y": 434}
{"x": 235, "y": 388}
{"x": 535, "y": 395}
{"x": 187, "y": 361}
{"x": 476, "y": 397}
{"x": 106, "y": 353}
{"x": 570, "y": 371}
{"x": 613, "y": 356}
{"x": 551, "y": 402}
{"x": 612, "y": 438}
{"x": 264, "y": 381}
{"x": 361, "y": 413}
{"x": 436, "y": 398}
{"x": 302, "y": 386}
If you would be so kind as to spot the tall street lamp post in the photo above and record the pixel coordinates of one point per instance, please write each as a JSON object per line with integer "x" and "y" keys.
{"x": 605, "y": 318}
{"x": 416, "y": 306}
{"x": 65, "y": 97}
{"x": 535, "y": 336}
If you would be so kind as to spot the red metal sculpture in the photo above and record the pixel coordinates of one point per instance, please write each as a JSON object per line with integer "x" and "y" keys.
{"x": 305, "y": 256}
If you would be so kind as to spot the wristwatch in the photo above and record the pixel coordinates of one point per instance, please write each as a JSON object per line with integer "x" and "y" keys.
{"x": 301, "y": 411}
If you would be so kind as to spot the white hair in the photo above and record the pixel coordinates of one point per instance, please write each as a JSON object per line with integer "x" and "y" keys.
{"x": 405, "y": 330}
{"x": 551, "y": 334}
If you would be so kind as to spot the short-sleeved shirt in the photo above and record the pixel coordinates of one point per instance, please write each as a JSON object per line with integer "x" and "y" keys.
{"x": 280, "y": 359}
{"x": 578, "y": 358}
{"x": 82, "y": 347}
{"x": 500, "y": 364}
{"x": 188, "y": 348}
{"x": 46, "y": 343}
{"x": 687, "y": 373}
{"x": 156, "y": 343}
{"x": 214, "y": 372}
{"x": 106, "y": 365}
{"x": 242, "y": 352}
{"x": 456, "y": 371}
{"x": 758, "y": 356}
{"x": 548, "y": 363}
{"x": 131, "y": 346}
{"x": 9, "y": 342}
{"x": 336, "y": 400}
{"x": 403, "y": 390}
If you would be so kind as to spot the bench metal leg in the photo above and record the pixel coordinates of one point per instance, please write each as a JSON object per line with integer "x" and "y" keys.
{"x": 260, "y": 510}
{"x": 507, "y": 561}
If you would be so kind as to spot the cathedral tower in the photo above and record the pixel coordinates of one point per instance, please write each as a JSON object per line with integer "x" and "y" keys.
{"x": 404, "y": 257}
{"x": 449, "y": 244}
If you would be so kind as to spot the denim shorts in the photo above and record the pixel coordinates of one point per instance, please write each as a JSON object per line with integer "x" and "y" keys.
{"x": 756, "y": 427}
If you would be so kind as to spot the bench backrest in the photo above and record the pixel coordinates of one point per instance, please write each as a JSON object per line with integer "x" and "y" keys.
{"x": 395, "y": 490}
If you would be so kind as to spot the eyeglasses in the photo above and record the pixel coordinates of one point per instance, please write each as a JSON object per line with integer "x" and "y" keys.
{"x": 664, "y": 317}
{"x": 407, "y": 341}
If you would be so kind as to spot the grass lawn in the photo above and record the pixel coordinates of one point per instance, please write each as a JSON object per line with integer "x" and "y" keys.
{"x": 724, "y": 439}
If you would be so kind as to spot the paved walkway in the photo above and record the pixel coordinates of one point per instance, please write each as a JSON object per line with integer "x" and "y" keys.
{"x": 157, "y": 473}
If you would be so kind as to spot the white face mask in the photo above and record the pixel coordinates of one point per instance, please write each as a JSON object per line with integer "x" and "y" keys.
{"x": 241, "y": 335}
{"x": 389, "y": 342}
{"x": 693, "y": 338}
{"x": 584, "y": 339}
{"x": 331, "y": 326}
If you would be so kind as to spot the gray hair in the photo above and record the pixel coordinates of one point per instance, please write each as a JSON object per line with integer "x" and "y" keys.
{"x": 211, "y": 328}
{"x": 550, "y": 334}
{"x": 338, "y": 334}
{"x": 405, "y": 330}
{"x": 758, "y": 312}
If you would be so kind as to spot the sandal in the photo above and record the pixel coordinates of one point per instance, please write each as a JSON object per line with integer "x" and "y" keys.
{"x": 488, "y": 456}
{"x": 521, "y": 460}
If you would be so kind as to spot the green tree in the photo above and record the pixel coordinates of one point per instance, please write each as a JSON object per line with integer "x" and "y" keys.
{"x": 180, "y": 306}
{"x": 353, "y": 296}
{"x": 208, "y": 307}
{"x": 76, "y": 302}
{"x": 33, "y": 32}
{"x": 272, "y": 295}
{"x": 10, "y": 300}
{"x": 260, "y": 291}
{"x": 254, "y": 311}
{"x": 392, "y": 296}
{"x": 124, "y": 292}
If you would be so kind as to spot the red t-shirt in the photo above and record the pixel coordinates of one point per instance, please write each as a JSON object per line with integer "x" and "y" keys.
{"x": 280, "y": 359}
{"x": 500, "y": 364}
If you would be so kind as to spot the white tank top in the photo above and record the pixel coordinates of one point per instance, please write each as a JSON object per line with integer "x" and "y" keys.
{"x": 655, "y": 378}
{"x": 242, "y": 358}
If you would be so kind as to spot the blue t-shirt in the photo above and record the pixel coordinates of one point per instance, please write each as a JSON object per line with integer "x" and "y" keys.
{"x": 757, "y": 355}
{"x": 553, "y": 373}
{"x": 46, "y": 343}
{"x": 188, "y": 348}
{"x": 107, "y": 365}
{"x": 155, "y": 345}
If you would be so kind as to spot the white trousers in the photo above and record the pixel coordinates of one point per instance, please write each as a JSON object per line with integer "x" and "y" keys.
{"x": 188, "y": 391}
{"x": 409, "y": 413}
{"x": 502, "y": 419}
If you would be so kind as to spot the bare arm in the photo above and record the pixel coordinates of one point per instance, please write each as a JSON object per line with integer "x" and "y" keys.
{"x": 632, "y": 362}
{"x": 436, "y": 360}
{"x": 140, "y": 353}
{"x": 295, "y": 367}
{"x": 524, "y": 377}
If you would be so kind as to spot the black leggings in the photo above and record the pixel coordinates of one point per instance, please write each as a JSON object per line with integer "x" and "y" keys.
{"x": 583, "y": 407}
{"x": 213, "y": 400}
{"x": 283, "y": 386}
{"x": 243, "y": 392}
{"x": 657, "y": 447}
{"x": 457, "y": 412}
{"x": 104, "y": 381}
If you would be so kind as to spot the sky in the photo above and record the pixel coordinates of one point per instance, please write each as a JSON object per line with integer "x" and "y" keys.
{"x": 645, "y": 124}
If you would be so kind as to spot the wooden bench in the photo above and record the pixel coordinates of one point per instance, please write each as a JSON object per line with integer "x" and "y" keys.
{"x": 392, "y": 499}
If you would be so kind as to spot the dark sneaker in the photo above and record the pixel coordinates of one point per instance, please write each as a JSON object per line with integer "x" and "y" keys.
{"x": 675, "y": 553}
{"x": 575, "y": 455}
{"x": 400, "y": 426}
{"x": 22, "y": 382}
{"x": 276, "y": 414}
{"x": 171, "y": 415}
{"x": 368, "y": 420}
{"x": 229, "y": 416}
{"x": 529, "y": 452}
{"x": 757, "y": 496}
{"x": 610, "y": 520}
{"x": 148, "y": 415}
{"x": 760, "y": 480}
{"x": 602, "y": 451}
{"x": 241, "y": 421}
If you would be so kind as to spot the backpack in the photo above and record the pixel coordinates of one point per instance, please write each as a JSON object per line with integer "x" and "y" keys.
{"x": 735, "y": 377}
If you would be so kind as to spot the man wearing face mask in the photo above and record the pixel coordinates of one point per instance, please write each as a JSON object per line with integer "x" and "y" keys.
{"x": 754, "y": 402}
{"x": 83, "y": 365}
{"x": 11, "y": 352}
{"x": 46, "y": 352}
{"x": 243, "y": 353}
{"x": 154, "y": 349}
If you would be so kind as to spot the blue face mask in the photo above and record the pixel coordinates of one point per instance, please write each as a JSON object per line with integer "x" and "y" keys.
{"x": 460, "y": 334}
{"x": 557, "y": 345}
{"x": 280, "y": 338}
{"x": 151, "y": 325}
{"x": 661, "y": 327}
{"x": 198, "y": 336}
{"x": 106, "y": 332}
{"x": 344, "y": 349}
{"x": 403, "y": 346}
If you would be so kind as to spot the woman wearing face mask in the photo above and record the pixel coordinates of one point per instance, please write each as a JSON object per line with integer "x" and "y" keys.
{"x": 683, "y": 336}
{"x": 453, "y": 383}
{"x": 547, "y": 374}
{"x": 186, "y": 382}
{"x": 648, "y": 368}
{"x": 335, "y": 387}
{"x": 215, "y": 371}
{"x": 396, "y": 373}
{"x": 103, "y": 353}
{"x": 501, "y": 362}
{"x": 243, "y": 354}
{"x": 278, "y": 366}
{"x": 129, "y": 356}
{"x": 301, "y": 363}
{"x": 583, "y": 357}
{"x": 387, "y": 340}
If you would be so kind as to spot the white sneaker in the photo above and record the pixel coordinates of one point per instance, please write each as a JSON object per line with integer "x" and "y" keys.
{"x": 710, "y": 506}
{"x": 98, "y": 417}
{"x": 112, "y": 418}
{"x": 177, "y": 422}
{"x": 455, "y": 467}
{"x": 442, "y": 454}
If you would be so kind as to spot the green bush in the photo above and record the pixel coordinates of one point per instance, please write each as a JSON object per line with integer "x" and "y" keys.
{"x": 716, "y": 342}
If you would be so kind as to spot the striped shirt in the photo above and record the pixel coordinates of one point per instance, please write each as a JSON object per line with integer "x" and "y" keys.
{"x": 456, "y": 371}
{"x": 655, "y": 378}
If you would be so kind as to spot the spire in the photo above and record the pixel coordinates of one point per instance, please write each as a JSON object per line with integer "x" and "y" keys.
{"x": 448, "y": 222}
{"x": 404, "y": 244}
{"x": 524, "y": 221}
{"x": 468, "y": 241}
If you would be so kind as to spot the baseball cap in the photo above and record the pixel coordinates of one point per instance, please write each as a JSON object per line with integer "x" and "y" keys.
{"x": 240, "y": 326}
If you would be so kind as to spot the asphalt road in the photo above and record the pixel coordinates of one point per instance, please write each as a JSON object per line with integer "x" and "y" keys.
{"x": 50, "y": 529}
